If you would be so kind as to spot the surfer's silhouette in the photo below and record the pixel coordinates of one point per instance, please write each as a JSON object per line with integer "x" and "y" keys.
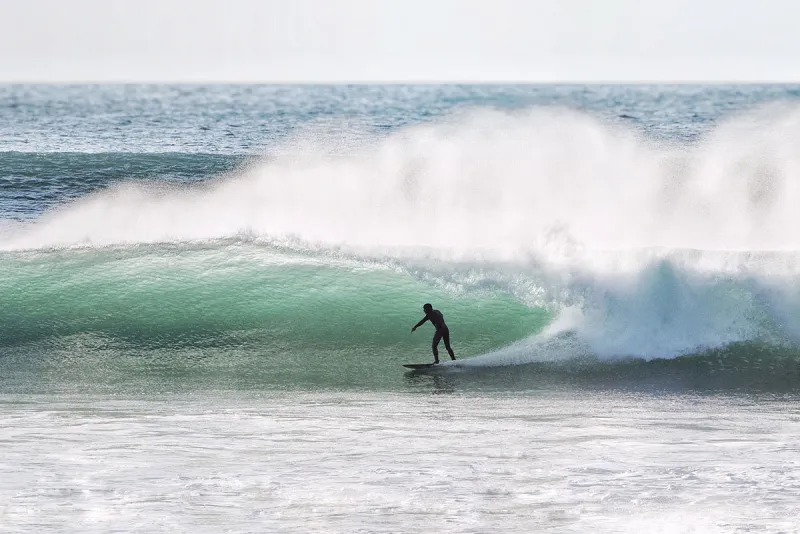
{"x": 442, "y": 332}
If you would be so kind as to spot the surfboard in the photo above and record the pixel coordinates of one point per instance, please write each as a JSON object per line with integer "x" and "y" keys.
{"x": 419, "y": 365}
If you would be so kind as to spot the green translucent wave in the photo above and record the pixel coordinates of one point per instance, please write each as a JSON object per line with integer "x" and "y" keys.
{"x": 240, "y": 300}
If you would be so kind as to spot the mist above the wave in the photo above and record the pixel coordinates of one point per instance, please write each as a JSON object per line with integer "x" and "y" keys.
{"x": 543, "y": 181}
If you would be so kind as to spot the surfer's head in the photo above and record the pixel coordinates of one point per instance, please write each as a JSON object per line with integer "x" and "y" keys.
{"x": 427, "y": 308}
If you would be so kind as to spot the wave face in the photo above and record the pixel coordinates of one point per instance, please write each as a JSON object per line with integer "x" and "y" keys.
{"x": 544, "y": 235}
{"x": 225, "y": 294}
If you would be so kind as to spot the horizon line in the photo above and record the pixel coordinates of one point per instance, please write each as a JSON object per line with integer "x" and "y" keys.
{"x": 190, "y": 81}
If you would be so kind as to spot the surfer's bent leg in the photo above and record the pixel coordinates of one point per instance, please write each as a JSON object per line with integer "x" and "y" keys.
{"x": 446, "y": 337}
{"x": 436, "y": 338}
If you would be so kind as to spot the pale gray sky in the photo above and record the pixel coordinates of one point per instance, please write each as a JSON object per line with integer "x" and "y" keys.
{"x": 399, "y": 40}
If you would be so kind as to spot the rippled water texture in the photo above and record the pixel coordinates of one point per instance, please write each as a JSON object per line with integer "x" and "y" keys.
{"x": 450, "y": 463}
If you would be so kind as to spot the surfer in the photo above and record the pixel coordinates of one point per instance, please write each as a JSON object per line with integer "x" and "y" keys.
{"x": 442, "y": 332}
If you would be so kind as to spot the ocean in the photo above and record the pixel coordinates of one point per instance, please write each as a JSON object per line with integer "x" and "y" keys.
{"x": 207, "y": 294}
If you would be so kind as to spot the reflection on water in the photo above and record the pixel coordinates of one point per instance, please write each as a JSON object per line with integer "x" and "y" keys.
{"x": 434, "y": 381}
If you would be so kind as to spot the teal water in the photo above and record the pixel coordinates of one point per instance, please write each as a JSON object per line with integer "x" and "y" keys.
{"x": 273, "y": 317}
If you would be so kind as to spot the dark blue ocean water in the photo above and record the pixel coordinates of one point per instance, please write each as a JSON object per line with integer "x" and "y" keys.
{"x": 246, "y": 119}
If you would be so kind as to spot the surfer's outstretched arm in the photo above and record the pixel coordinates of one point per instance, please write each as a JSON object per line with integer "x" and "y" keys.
{"x": 419, "y": 323}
